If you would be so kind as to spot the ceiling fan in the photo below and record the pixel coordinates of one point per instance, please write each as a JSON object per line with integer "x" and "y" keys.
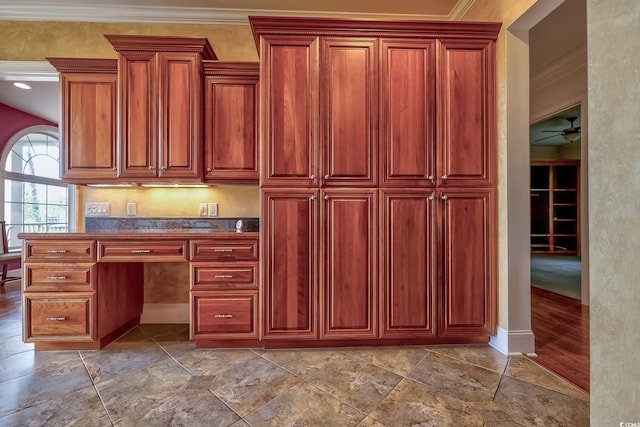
{"x": 570, "y": 134}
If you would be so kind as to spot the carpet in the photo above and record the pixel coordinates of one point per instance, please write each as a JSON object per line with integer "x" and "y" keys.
{"x": 558, "y": 274}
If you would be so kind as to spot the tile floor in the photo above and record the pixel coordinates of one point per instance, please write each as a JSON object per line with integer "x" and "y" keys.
{"x": 154, "y": 376}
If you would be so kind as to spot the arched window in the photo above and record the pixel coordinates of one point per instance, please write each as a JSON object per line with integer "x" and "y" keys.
{"x": 35, "y": 199}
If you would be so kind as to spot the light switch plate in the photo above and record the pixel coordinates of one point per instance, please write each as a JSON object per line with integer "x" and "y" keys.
{"x": 213, "y": 209}
{"x": 96, "y": 209}
{"x": 202, "y": 209}
{"x": 131, "y": 209}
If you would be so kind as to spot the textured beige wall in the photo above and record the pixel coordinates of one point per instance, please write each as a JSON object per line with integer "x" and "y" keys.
{"x": 34, "y": 41}
{"x": 614, "y": 210}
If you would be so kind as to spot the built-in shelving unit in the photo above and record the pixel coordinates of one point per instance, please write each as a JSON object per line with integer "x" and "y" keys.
{"x": 555, "y": 207}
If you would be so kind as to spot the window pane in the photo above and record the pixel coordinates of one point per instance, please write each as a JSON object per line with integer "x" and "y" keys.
{"x": 57, "y": 195}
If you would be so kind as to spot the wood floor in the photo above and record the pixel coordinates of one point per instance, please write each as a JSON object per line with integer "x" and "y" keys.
{"x": 561, "y": 328}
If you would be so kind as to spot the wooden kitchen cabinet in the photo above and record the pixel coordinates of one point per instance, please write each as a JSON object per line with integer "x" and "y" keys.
{"x": 231, "y": 121}
{"x": 160, "y": 83}
{"x": 468, "y": 270}
{"x": 467, "y": 113}
{"x": 408, "y": 263}
{"x": 88, "y": 95}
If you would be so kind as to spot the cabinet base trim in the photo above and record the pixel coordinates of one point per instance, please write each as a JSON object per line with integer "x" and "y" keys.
{"x": 165, "y": 313}
{"x": 513, "y": 343}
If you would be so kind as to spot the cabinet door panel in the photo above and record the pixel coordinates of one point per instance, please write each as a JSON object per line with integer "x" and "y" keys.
{"x": 349, "y": 110}
{"x": 350, "y": 267}
{"x": 408, "y": 264}
{"x": 407, "y": 117}
{"x": 89, "y": 127}
{"x": 180, "y": 109}
{"x": 467, "y": 112}
{"x": 290, "y": 266}
{"x": 138, "y": 123}
{"x": 468, "y": 258}
{"x": 288, "y": 91}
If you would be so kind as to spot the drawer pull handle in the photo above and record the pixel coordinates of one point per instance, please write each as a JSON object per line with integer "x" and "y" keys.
{"x": 223, "y": 316}
{"x": 57, "y": 319}
{"x": 224, "y": 276}
{"x": 141, "y": 251}
{"x": 223, "y": 250}
{"x": 57, "y": 277}
{"x": 57, "y": 251}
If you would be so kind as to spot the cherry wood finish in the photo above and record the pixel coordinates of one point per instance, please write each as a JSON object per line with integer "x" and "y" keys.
{"x": 239, "y": 247}
{"x": 49, "y": 247}
{"x": 561, "y": 328}
{"x": 160, "y": 99}
{"x": 408, "y": 264}
{"x": 79, "y": 277}
{"x": 141, "y": 250}
{"x": 349, "y": 273}
{"x": 231, "y": 121}
{"x": 59, "y": 316}
{"x": 348, "y": 111}
{"x": 468, "y": 259}
{"x": 224, "y": 276}
{"x": 290, "y": 224}
{"x": 288, "y": 112}
{"x": 407, "y": 113}
{"x": 232, "y": 315}
{"x": 467, "y": 111}
{"x": 88, "y": 97}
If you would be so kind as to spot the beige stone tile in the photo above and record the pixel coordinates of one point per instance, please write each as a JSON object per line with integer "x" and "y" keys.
{"x": 248, "y": 385}
{"x": 302, "y": 363}
{"x": 213, "y": 362}
{"x": 305, "y": 405}
{"x": 456, "y": 378}
{"x": 522, "y": 368}
{"x": 481, "y": 355}
{"x": 412, "y": 403}
{"x": 533, "y": 405}
{"x": 358, "y": 383}
{"x": 400, "y": 360}
{"x": 370, "y": 422}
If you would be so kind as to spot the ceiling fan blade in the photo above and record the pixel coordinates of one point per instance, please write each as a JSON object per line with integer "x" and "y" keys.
{"x": 548, "y": 137}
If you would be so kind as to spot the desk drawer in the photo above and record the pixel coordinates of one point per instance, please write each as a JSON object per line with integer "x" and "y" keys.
{"x": 52, "y": 278}
{"x": 54, "y": 250}
{"x": 142, "y": 250}
{"x": 225, "y": 276}
{"x": 224, "y": 250}
{"x": 64, "y": 317}
{"x": 225, "y": 316}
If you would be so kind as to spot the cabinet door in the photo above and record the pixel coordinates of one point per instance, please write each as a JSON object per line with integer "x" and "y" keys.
{"x": 231, "y": 150}
{"x": 88, "y": 127}
{"x": 349, "y": 274}
{"x": 348, "y": 99}
{"x": 467, "y": 87}
{"x": 180, "y": 114}
{"x": 469, "y": 290}
{"x": 290, "y": 221}
{"x": 408, "y": 264}
{"x": 407, "y": 113}
{"x": 288, "y": 85}
{"x": 138, "y": 119}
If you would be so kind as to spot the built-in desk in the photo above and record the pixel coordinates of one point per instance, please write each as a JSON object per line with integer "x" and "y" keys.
{"x": 83, "y": 290}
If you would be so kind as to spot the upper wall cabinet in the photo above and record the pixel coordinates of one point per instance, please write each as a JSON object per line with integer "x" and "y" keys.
{"x": 160, "y": 106}
{"x": 88, "y": 119}
{"x": 231, "y": 121}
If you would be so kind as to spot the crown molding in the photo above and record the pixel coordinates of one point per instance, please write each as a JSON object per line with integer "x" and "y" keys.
{"x": 548, "y": 74}
{"x": 61, "y": 11}
{"x": 35, "y": 71}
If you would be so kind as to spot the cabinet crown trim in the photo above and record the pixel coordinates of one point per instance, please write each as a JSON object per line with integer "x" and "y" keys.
{"x": 217, "y": 68}
{"x": 266, "y": 25}
{"x": 84, "y": 65}
{"x": 126, "y": 42}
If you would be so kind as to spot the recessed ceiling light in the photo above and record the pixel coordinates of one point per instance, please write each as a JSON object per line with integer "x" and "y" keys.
{"x": 22, "y": 85}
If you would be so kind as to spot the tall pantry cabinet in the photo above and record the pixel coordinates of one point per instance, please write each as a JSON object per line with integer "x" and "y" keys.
{"x": 378, "y": 180}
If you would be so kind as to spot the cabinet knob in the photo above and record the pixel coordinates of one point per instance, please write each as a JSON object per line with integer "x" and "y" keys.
{"x": 313, "y": 197}
{"x": 444, "y": 176}
{"x": 444, "y": 197}
{"x": 56, "y": 277}
{"x": 326, "y": 197}
{"x": 431, "y": 197}
{"x": 312, "y": 177}
{"x": 152, "y": 168}
{"x": 57, "y": 319}
{"x": 430, "y": 177}
{"x": 115, "y": 169}
{"x": 208, "y": 170}
{"x": 163, "y": 168}
{"x": 223, "y": 316}
{"x": 326, "y": 176}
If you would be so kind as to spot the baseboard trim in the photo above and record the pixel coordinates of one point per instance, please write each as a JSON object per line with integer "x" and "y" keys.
{"x": 165, "y": 313}
{"x": 513, "y": 343}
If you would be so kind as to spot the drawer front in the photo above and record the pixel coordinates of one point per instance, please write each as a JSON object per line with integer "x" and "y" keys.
{"x": 52, "y": 250}
{"x": 65, "y": 318}
{"x": 142, "y": 251}
{"x": 51, "y": 278}
{"x": 221, "y": 276}
{"x": 228, "y": 316}
{"x": 224, "y": 250}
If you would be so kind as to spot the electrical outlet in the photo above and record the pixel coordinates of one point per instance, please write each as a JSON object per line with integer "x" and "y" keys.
{"x": 213, "y": 209}
{"x": 96, "y": 209}
{"x": 203, "y": 209}
{"x": 131, "y": 209}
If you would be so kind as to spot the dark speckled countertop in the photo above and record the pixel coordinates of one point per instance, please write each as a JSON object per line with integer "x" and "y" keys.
{"x": 159, "y": 225}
